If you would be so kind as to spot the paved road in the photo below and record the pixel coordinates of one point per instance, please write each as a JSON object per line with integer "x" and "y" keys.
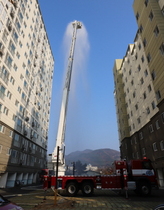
{"x": 33, "y": 198}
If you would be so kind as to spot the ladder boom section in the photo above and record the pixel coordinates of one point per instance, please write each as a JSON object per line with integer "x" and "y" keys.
{"x": 60, "y": 141}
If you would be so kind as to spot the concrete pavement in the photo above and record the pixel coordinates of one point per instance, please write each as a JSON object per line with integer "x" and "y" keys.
{"x": 34, "y": 199}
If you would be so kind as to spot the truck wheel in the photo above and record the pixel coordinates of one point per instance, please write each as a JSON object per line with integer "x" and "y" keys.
{"x": 144, "y": 188}
{"x": 72, "y": 189}
{"x": 87, "y": 188}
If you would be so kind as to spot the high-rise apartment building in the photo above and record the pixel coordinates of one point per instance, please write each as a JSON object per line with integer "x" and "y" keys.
{"x": 26, "y": 72}
{"x": 139, "y": 88}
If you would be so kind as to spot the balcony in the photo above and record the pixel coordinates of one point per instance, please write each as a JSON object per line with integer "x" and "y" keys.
{"x": 19, "y": 128}
{"x": 1, "y": 53}
{"x": 2, "y": 95}
{"x": 4, "y": 77}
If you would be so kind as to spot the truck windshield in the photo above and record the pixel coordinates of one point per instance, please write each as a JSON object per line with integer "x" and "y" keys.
{"x": 146, "y": 165}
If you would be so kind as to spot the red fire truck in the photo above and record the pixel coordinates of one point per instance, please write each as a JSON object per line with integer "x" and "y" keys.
{"x": 137, "y": 175}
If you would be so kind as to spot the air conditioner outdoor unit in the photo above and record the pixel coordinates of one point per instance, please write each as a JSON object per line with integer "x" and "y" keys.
{"x": 27, "y": 119}
{"x": 1, "y": 53}
{"x": 25, "y": 133}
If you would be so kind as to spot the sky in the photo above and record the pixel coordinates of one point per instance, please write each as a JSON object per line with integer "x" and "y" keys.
{"x": 108, "y": 28}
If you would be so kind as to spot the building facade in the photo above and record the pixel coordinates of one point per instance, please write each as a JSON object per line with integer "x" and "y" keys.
{"x": 26, "y": 72}
{"x": 139, "y": 88}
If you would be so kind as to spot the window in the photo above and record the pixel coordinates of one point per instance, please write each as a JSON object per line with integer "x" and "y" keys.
{"x": 5, "y": 35}
{"x": 139, "y": 46}
{"x": 1, "y": 148}
{"x": 2, "y": 128}
{"x": 138, "y": 120}
{"x": 11, "y": 134}
{"x": 20, "y": 44}
{"x": 133, "y": 155}
{"x": 25, "y": 85}
{"x": 21, "y": 109}
{"x": 15, "y": 37}
{"x": 151, "y": 16}
{"x": 15, "y": 67}
{"x": 27, "y": 74}
{"x": 9, "y": 25}
{"x": 8, "y": 61}
{"x": 162, "y": 116}
{"x": 8, "y": 152}
{"x": 136, "y": 56}
{"x": 141, "y": 80}
{"x": 2, "y": 92}
{"x": 14, "y": 117}
{"x": 142, "y": 59}
{"x": 144, "y": 42}
{"x": 29, "y": 63}
{"x": 20, "y": 16}
{"x": 23, "y": 96}
{"x": 147, "y": 110}
{"x": 144, "y": 95}
{"x": 148, "y": 58}
{"x": 162, "y": 48}
{"x": 137, "y": 15}
{"x": 12, "y": 80}
{"x": 149, "y": 88}
{"x": 21, "y": 77}
{"x": 153, "y": 75}
{"x": 153, "y": 105}
{"x": 18, "y": 55}
{"x": 140, "y": 28}
{"x": 12, "y": 48}
{"x": 155, "y": 147}
{"x": 5, "y": 110}
{"x": 158, "y": 95}
{"x": 136, "y": 106}
{"x": 16, "y": 137}
{"x": 16, "y": 103}
{"x": 146, "y": 2}
{"x": 25, "y": 54}
{"x": 134, "y": 94}
{"x": 139, "y": 67}
{"x": 141, "y": 135}
{"x": 156, "y": 31}
{"x": 14, "y": 155}
{"x": 162, "y": 10}
{"x": 19, "y": 122}
{"x": 25, "y": 25}
{"x": 9, "y": 94}
{"x": 4, "y": 74}
{"x": 157, "y": 124}
{"x": 146, "y": 73}
{"x": 151, "y": 128}
{"x": 162, "y": 145}
{"x": 143, "y": 151}
{"x": 19, "y": 89}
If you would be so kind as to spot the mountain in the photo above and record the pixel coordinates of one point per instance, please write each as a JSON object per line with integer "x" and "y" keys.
{"x": 99, "y": 157}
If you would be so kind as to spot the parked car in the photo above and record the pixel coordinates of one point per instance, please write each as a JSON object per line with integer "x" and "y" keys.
{"x": 5, "y": 204}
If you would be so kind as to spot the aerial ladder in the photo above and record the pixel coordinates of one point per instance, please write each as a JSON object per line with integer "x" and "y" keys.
{"x": 58, "y": 155}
